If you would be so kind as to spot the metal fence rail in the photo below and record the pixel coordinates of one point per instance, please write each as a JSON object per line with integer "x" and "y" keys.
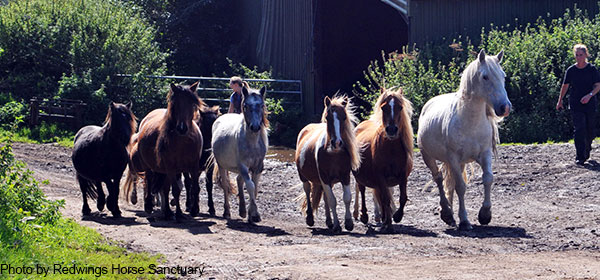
{"x": 215, "y": 90}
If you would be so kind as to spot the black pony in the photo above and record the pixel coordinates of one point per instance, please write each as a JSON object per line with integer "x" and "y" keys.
{"x": 100, "y": 155}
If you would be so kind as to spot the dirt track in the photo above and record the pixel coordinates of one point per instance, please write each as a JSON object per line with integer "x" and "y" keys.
{"x": 545, "y": 225}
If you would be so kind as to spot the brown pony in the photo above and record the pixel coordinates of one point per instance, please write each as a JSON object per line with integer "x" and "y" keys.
{"x": 326, "y": 153}
{"x": 168, "y": 143}
{"x": 386, "y": 141}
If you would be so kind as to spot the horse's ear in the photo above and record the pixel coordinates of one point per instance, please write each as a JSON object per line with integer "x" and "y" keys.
{"x": 193, "y": 87}
{"x": 481, "y": 56}
{"x": 500, "y": 55}
{"x": 327, "y": 101}
{"x": 173, "y": 87}
{"x": 111, "y": 105}
{"x": 245, "y": 92}
{"x": 263, "y": 92}
{"x": 128, "y": 104}
{"x": 345, "y": 101}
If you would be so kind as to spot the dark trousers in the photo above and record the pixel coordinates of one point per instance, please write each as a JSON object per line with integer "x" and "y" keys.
{"x": 584, "y": 123}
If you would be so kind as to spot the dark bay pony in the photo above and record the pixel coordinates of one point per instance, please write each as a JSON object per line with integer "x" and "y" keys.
{"x": 239, "y": 145}
{"x": 326, "y": 153}
{"x": 169, "y": 142}
{"x": 386, "y": 141}
{"x": 100, "y": 155}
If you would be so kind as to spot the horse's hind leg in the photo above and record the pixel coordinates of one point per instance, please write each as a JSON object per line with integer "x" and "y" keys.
{"x": 84, "y": 185}
{"x": 364, "y": 216}
{"x": 310, "y": 219}
{"x": 148, "y": 196}
{"x": 456, "y": 171}
{"x": 242, "y": 200}
{"x": 446, "y": 212}
{"x": 176, "y": 188}
{"x": 194, "y": 193}
{"x": 348, "y": 222}
{"x": 485, "y": 212}
{"x": 223, "y": 179}
{"x": 113, "y": 196}
{"x": 101, "y": 201}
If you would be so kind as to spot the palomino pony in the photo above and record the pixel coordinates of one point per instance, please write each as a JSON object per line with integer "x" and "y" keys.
{"x": 100, "y": 155}
{"x": 239, "y": 145}
{"x": 461, "y": 127}
{"x": 169, "y": 142}
{"x": 386, "y": 141}
{"x": 326, "y": 153}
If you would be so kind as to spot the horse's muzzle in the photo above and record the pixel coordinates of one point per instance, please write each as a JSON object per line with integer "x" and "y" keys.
{"x": 254, "y": 128}
{"x": 181, "y": 128}
{"x": 337, "y": 144}
{"x": 503, "y": 110}
{"x": 391, "y": 131}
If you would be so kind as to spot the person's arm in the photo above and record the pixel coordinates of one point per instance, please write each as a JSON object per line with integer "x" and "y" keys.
{"x": 563, "y": 91}
{"x": 231, "y": 107}
{"x": 586, "y": 98}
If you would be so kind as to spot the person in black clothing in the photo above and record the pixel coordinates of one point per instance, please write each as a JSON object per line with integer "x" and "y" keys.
{"x": 584, "y": 81}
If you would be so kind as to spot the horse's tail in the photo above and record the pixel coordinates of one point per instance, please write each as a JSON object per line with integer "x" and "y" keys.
{"x": 129, "y": 185}
{"x": 316, "y": 192}
{"x": 223, "y": 181}
{"x": 301, "y": 198}
{"x": 87, "y": 188}
{"x": 494, "y": 120}
{"x": 450, "y": 181}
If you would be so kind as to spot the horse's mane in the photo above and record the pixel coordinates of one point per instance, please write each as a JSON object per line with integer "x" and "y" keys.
{"x": 465, "y": 87}
{"x": 405, "y": 126}
{"x": 348, "y": 128}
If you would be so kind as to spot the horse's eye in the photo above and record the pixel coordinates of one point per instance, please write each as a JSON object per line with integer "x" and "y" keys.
{"x": 485, "y": 77}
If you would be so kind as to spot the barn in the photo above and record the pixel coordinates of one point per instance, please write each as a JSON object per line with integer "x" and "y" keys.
{"x": 328, "y": 44}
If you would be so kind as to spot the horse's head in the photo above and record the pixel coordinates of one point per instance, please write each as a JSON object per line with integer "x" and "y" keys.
{"x": 183, "y": 107}
{"x": 254, "y": 108}
{"x": 484, "y": 78}
{"x": 121, "y": 120}
{"x": 338, "y": 116}
{"x": 208, "y": 116}
{"x": 394, "y": 111}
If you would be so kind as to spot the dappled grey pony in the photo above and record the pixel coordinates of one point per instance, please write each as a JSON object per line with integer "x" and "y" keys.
{"x": 461, "y": 127}
{"x": 100, "y": 155}
{"x": 239, "y": 145}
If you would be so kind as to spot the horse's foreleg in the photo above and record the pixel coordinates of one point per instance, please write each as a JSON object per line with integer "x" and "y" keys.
{"x": 310, "y": 219}
{"x": 364, "y": 216}
{"x": 456, "y": 171}
{"x": 485, "y": 213}
{"x": 113, "y": 196}
{"x": 403, "y": 198}
{"x": 209, "y": 189}
{"x": 176, "y": 187}
{"x": 348, "y": 223}
{"x": 331, "y": 203}
{"x": 376, "y": 209}
{"x": 355, "y": 212}
{"x": 194, "y": 193}
{"x": 187, "y": 182}
{"x": 148, "y": 196}
{"x": 101, "y": 201}
{"x": 164, "y": 184}
{"x": 253, "y": 192}
{"x": 242, "y": 200}
{"x": 84, "y": 185}
{"x": 446, "y": 212}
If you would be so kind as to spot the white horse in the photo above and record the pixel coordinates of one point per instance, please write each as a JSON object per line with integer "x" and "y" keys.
{"x": 239, "y": 145}
{"x": 461, "y": 127}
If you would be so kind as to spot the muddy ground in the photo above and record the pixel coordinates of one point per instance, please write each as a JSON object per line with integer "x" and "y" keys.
{"x": 545, "y": 225}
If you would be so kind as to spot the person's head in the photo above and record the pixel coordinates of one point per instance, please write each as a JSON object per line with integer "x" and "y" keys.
{"x": 580, "y": 52}
{"x": 236, "y": 83}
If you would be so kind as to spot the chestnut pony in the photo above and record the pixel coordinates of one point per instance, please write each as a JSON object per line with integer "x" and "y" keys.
{"x": 326, "y": 153}
{"x": 386, "y": 141}
{"x": 100, "y": 155}
{"x": 169, "y": 142}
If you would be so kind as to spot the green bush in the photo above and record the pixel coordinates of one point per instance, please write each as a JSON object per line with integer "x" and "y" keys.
{"x": 74, "y": 49}
{"x": 535, "y": 59}
{"x": 11, "y": 112}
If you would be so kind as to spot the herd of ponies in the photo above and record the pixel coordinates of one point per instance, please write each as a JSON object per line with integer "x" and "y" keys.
{"x": 189, "y": 137}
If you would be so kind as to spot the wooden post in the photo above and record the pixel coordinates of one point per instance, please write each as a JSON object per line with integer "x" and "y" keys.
{"x": 34, "y": 111}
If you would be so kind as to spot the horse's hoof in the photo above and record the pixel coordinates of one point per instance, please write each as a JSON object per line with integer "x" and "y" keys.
{"x": 446, "y": 216}
{"x": 194, "y": 212}
{"x": 465, "y": 226}
{"x": 398, "y": 215}
{"x": 116, "y": 214}
{"x": 386, "y": 228}
{"x": 337, "y": 229}
{"x": 329, "y": 224}
{"x": 310, "y": 220}
{"x": 100, "y": 204}
{"x": 364, "y": 218}
{"x": 254, "y": 219}
{"x": 243, "y": 212}
{"x": 349, "y": 224}
{"x": 86, "y": 211}
{"x": 355, "y": 215}
{"x": 148, "y": 208}
{"x": 485, "y": 215}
